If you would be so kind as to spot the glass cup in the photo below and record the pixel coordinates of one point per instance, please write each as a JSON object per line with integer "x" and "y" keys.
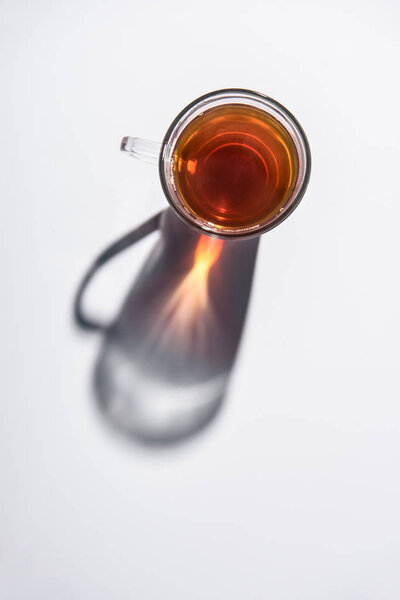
{"x": 165, "y": 154}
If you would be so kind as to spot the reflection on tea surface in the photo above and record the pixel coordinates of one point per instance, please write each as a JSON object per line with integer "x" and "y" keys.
{"x": 235, "y": 166}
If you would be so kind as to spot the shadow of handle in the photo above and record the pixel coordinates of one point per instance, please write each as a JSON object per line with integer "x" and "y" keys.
{"x": 81, "y": 319}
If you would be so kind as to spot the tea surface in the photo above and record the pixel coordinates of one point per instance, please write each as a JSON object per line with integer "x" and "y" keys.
{"x": 235, "y": 166}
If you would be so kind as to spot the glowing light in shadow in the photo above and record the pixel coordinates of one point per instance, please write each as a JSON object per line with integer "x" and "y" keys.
{"x": 187, "y": 312}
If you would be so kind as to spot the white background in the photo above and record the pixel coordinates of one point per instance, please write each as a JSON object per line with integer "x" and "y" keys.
{"x": 293, "y": 493}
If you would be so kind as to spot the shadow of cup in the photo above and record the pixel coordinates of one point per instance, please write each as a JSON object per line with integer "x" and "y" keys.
{"x": 165, "y": 361}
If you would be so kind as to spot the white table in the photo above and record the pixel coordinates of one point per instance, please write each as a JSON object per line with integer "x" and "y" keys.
{"x": 293, "y": 492}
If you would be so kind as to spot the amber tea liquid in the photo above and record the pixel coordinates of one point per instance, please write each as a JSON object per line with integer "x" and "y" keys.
{"x": 235, "y": 166}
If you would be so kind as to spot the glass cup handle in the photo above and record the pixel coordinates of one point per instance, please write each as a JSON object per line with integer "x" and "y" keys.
{"x": 145, "y": 150}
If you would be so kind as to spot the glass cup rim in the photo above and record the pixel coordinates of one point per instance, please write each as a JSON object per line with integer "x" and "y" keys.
{"x": 294, "y": 199}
